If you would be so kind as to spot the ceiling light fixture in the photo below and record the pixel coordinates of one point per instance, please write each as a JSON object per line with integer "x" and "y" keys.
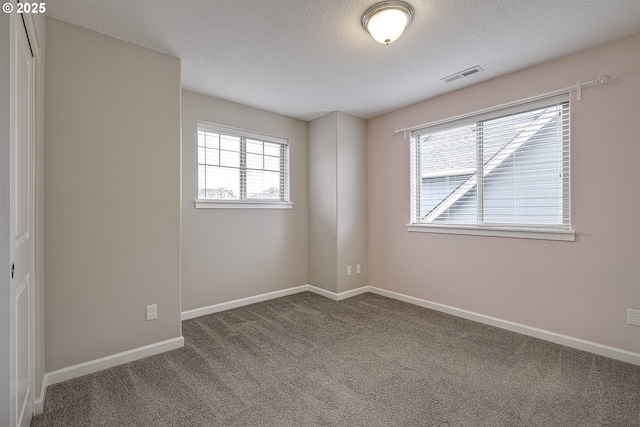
{"x": 387, "y": 20}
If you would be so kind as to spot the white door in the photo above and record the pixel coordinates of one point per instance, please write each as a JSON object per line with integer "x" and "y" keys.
{"x": 21, "y": 225}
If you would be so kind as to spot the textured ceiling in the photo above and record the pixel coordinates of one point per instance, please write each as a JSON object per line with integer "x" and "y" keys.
{"x": 304, "y": 58}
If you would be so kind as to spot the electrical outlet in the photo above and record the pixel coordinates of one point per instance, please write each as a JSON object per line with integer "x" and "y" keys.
{"x": 358, "y": 269}
{"x": 348, "y": 270}
{"x": 633, "y": 317}
{"x": 152, "y": 312}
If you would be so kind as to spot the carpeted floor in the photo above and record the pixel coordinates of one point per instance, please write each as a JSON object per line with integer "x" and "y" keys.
{"x": 305, "y": 360}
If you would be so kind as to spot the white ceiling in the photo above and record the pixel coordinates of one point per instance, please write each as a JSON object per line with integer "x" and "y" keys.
{"x": 304, "y": 58}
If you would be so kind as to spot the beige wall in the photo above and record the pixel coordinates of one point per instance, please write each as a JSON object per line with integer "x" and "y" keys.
{"x": 229, "y": 254}
{"x": 112, "y": 205}
{"x": 323, "y": 202}
{"x": 581, "y": 289}
{"x": 352, "y": 201}
{"x": 338, "y": 202}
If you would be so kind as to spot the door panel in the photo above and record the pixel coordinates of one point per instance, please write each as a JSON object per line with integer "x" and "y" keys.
{"x": 20, "y": 225}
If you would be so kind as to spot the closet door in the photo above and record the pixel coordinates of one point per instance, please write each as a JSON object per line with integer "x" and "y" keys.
{"x": 21, "y": 249}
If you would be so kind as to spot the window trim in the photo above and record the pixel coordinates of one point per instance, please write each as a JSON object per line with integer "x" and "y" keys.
{"x": 520, "y": 233}
{"x": 560, "y": 233}
{"x": 235, "y": 204}
{"x": 251, "y": 203}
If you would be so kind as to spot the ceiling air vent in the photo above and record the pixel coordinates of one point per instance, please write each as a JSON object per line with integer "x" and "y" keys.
{"x": 461, "y": 74}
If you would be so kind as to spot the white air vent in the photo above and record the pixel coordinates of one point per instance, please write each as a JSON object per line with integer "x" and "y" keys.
{"x": 461, "y": 74}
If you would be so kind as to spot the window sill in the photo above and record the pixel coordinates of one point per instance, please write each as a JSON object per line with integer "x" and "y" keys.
{"x": 518, "y": 233}
{"x": 221, "y": 204}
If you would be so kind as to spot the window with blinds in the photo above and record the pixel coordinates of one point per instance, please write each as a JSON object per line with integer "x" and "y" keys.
{"x": 502, "y": 168}
{"x": 241, "y": 166}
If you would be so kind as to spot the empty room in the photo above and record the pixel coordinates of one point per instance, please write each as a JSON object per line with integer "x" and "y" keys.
{"x": 320, "y": 212}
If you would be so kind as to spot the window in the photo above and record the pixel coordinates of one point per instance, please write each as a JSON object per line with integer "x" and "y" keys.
{"x": 238, "y": 168}
{"x": 501, "y": 170}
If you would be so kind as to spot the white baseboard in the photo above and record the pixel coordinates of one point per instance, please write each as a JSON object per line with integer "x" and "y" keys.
{"x": 190, "y": 314}
{"x": 92, "y": 366}
{"x": 210, "y": 309}
{"x": 337, "y": 296}
{"x": 89, "y": 367}
{"x": 39, "y": 401}
{"x": 577, "y": 343}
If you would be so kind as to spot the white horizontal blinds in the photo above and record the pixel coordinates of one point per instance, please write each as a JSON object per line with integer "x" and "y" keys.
{"x": 265, "y": 172}
{"x": 239, "y": 165}
{"x": 505, "y": 168}
{"x": 218, "y": 166}
{"x": 447, "y": 175}
{"x": 526, "y": 161}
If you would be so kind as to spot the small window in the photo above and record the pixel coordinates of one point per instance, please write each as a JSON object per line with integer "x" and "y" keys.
{"x": 239, "y": 168}
{"x": 504, "y": 169}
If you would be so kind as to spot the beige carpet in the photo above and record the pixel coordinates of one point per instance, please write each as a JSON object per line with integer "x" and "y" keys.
{"x": 305, "y": 360}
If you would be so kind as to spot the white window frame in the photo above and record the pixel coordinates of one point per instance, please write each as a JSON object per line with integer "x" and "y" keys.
{"x": 512, "y": 231}
{"x": 246, "y": 204}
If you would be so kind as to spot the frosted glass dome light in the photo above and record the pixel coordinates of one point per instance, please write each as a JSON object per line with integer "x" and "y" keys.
{"x": 387, "y": 20}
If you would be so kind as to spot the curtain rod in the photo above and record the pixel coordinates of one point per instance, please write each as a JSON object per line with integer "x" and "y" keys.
{"x": 603, "y": 79}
